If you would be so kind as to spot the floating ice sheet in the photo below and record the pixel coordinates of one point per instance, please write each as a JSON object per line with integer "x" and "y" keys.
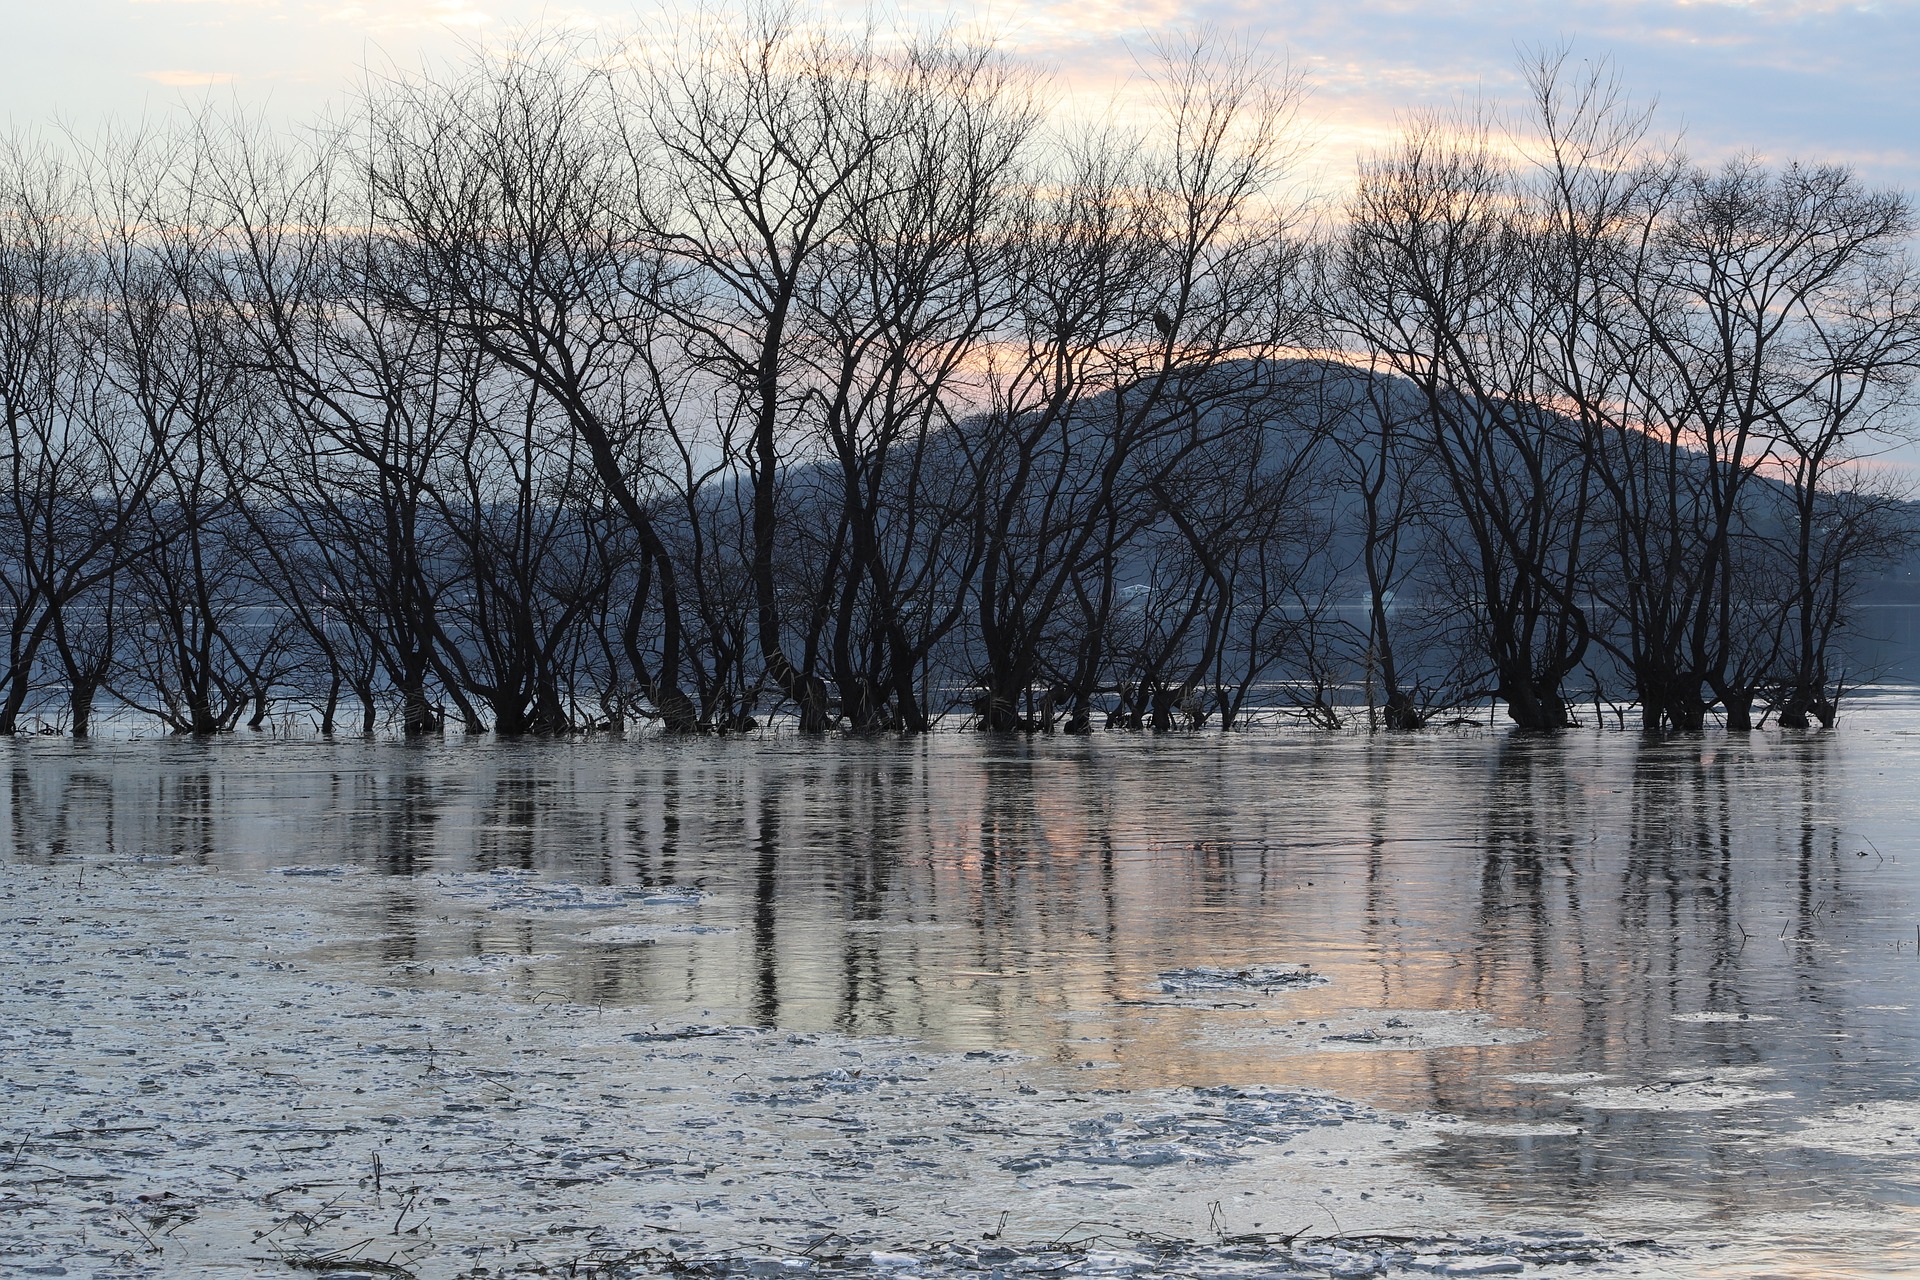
{"x": 1723, "y": 1090}
{"x": 1260, "y": 979}
{"x": 1883, "y": 1130}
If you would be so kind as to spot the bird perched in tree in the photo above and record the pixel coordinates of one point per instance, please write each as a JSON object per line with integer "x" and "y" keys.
{"x": 1163, "y": 323}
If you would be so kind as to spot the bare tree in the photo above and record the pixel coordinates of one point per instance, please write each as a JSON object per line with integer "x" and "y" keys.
{"x": 1838, "y": 517}
{"x": 752, "y": 361}
{"x": 205, "y": 646}
{"x": 77, "y": 473}
{"x": 1725, "y": 362}
{"x": 512, "y": 220}
{"x": 1153, "y": 289}
{"x": 894, "y": 315}
{"x": 759, "y": 134}
{"x": 1450, "y": 286}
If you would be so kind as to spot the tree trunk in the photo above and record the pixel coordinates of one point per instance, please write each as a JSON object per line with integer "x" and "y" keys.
{"x": 82, "y": 705}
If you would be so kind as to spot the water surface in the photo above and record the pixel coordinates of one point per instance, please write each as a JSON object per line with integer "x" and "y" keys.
{"x": 1645, "y": 965}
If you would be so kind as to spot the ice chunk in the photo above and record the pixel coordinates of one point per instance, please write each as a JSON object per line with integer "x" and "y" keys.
{"x": 1261, "y": 978}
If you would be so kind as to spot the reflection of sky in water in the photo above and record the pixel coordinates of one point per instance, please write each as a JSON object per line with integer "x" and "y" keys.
{"x": 1676, "y": 951}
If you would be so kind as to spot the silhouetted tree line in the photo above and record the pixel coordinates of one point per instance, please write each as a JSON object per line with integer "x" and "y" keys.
{"x": 756, "y": 369}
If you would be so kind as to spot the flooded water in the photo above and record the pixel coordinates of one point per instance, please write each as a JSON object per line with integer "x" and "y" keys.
{"x": 1672, "y": 984}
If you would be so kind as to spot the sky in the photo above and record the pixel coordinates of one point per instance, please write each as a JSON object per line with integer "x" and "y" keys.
{"x": 1808, "y": 79}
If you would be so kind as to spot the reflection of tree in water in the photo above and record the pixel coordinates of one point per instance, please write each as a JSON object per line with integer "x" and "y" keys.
{"x": 1614, "y": 905}
{"x": 186, "y": 812}
{"x": 407, "y": 817}
{"x": 765, "y": 1001}
{"x": 78, "y": 817}
{"x": 1535, "y": 813}
{"x": 872, "y": 817}
{"x": 1022, "y": 894}
{"x": 506, "y": 838}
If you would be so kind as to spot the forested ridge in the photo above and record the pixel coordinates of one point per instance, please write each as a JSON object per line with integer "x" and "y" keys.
{"x": 747, "y": 370}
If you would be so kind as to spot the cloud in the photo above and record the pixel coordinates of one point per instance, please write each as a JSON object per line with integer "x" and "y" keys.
{"x": 189, "y": 79}
{"x": 1808, "y": 78}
